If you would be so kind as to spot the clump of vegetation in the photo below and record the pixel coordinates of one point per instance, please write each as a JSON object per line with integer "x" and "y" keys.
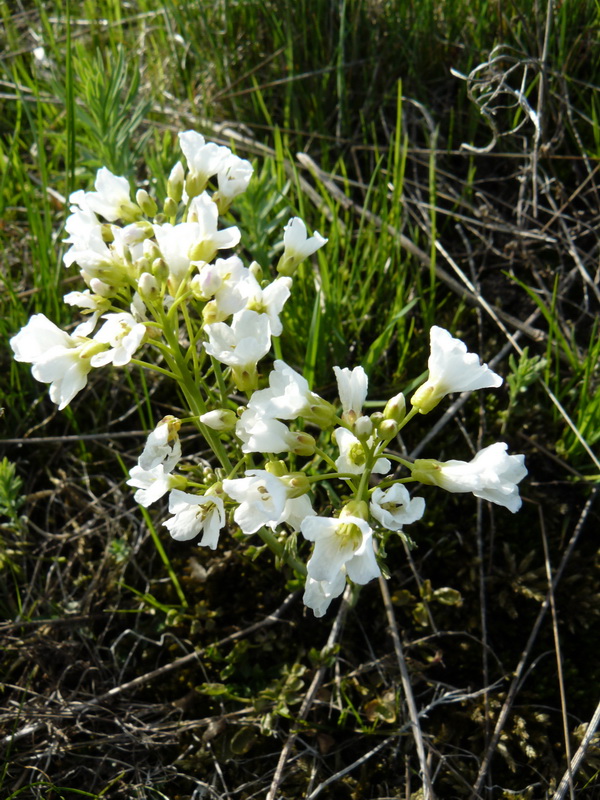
{"x": 136, "y": 665}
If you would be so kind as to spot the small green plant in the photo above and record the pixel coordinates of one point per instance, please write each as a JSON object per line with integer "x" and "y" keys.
{"x": 523, "y": 372}
{"x": 11, "y": 498}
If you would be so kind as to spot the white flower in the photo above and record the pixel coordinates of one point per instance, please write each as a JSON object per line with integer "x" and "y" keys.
{"x": 319, "y": 594}
{"x": 352, "y": 456}
{"x": 193, "y": 514}
{"x": 289, "y": 397}
{"x": 151, "y": 484}
{"x": 162, "y": 446}
{"x": 263, "y": 434}
{"x": 269, "y": 301}
{"x": 394, "y": 508}
{"x": 297, "y": 246}
{"x": 492, "y": 475}
{"x": 451, "y": 369}
{"x": 112, "y": 198}
{"x": 92, "y": 302}
{"x": 221, "y": 419}
{"x": 295, "y": 511}
{"x": 233, "y": 177}
{"x": 196, "y": 240}
{"x": 123, "y": 334}
{"x": 204, "y": 159}
{"x": 224, "y": 281}
{"x": 262, "y": 498}
{"x": 347, "y": 541}
{"x": 352, "y": 389}
{"x": 88, "y": 249}
{"x": 243, "y": 343}
{"x": 58, "y": 358}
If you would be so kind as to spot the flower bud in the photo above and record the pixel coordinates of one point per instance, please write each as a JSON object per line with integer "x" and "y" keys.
{"x": 210, "y": 313}
{"x": 297, "y": 484}
{"x": 195, "y": 184}
{"x": 355, "y": 508}
{"x": 170, "y": 207}
{"x": 160, "y": 270}
{"x": 221, "y": 419}
{"x": 388, "y": 429}
{"x": 256, "y": 270}
{"x": 363, "y": 428}
{"x": 304, "y": 444}
{"x": 278, "y": 468}
{"x": 319, "y": 412}
{"x": 137, "y": 232}
{"x": 100, "y": 287}
{"x": 151, "y": 250}
{"x": 146, "y": 203}
{"x": 147, "y": 286}
{"x": 175, "y": 183}
{"x": 107, "y": 233}
{"x": 395, "y": 408}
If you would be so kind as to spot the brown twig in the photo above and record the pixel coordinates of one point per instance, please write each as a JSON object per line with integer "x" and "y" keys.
{"x": 520, "y": 670}
{"x": 413, "y": 712}
{"x": 73, "y": 709}
{"x": 309, "y": 698}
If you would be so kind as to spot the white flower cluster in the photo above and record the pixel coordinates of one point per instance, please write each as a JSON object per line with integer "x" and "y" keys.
{"x": 160, "y": 280}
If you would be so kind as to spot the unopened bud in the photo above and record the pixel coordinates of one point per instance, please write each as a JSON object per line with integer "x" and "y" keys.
{"x": 137, "y": 232}
{"x": 377, "y": 419}
{"x": 148, "y": 286}
{"x": 278, "y": 468}
{"x": 319, "y": 412}
{"x": 256, "y": 270}
{"x": 297, "y": 484}
{"x": 100, "y": 287}
{"x": 160, "y": 269}
{"x": 363, "y": 428}
{"x": 170, "y": 207}
{"x": 304, "y": 444}
{"x": 355, "y": 508}
{"x": 175, "y": 183}
{"x": 221, "y": 419}
{"x": 151, "y": 250}
{"x": 146, "y": 203}
{"x": 195, "y": 184}
{"x": 388, "y": 429}
{"x": 395, "y": 408}
{"x": 210, "y": 313}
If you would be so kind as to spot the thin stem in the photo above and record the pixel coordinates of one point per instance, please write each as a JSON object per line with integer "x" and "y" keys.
{"x": 269, "y": 539}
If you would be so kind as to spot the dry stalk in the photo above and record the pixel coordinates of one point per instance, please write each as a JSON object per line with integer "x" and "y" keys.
{"x": 520, "y": 670}
{"x": 413, "y": 712}
{"x": 311, "y": 694}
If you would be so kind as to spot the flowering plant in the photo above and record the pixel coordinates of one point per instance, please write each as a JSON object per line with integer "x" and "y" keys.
{"x": 165, "y": 293}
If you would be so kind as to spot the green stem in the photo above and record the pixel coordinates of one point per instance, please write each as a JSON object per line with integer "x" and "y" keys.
{"x": 154, "y": 368}
{"x": 269, "y": 539}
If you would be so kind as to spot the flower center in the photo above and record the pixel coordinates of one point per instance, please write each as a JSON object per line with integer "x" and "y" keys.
{"x": 350, "y": 534}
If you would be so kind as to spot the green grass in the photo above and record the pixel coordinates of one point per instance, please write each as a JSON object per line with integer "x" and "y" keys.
{"x": 95, "y": 595}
